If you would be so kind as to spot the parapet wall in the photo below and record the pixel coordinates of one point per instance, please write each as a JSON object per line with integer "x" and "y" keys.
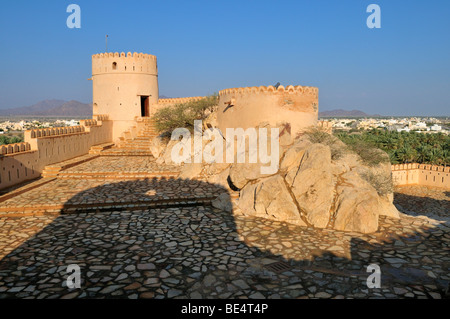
{"x": 25, "y": 161}
{"x": 124, "y": 63}
{"x": 421, "y": 174}
{"x": 172, "y": 101}
{"x": 249, "y": 106}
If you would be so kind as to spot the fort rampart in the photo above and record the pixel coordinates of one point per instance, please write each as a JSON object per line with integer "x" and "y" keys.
{"x": 421, "y": 174}
{"x": 25, "y": 161}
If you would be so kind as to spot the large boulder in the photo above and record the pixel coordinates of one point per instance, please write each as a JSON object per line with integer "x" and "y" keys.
{"x": 292, "y": 157}
{"x": 157, "y": 146}
{"x": 357, "y": 205}
{"x": 220, "y": 179}
{"x": 311, "y": 183}
{"x": 191, "y": 170}
{"x": 223, "y": 202}
{"x": 270, "y": 198}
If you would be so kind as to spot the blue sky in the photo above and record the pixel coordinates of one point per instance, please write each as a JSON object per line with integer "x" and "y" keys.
{"x": 205, "y": 46}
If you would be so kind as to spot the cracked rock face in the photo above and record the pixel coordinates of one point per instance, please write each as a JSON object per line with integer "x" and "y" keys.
{"x": 313, "y": 189}
{"x": 311, "y": 183}
{"x": 270, "y": 198}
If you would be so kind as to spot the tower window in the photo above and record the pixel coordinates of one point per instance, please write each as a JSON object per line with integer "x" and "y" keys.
{"x": 114, "y": 66}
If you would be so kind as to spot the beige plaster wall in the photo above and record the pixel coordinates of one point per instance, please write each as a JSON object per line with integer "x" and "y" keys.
{"x": 250, "y": 106}
{"x": 421, "y": 174}
{"x": 48, "y": 146}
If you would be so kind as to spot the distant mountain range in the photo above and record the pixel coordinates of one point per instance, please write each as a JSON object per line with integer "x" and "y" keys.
{"x": 51, "y": 108}
{"x": 345, "y": 113}
{"x": 74, "y": 108}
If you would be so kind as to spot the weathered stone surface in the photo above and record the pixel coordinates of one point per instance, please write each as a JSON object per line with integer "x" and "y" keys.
{"x": 223, "y": 202}
{"x": 216, "y": 168}
{"x": 311, "y": 183}
{"x": 157, "y": 147}
{"x": 293, "y": 155}
{"x": 242, "y": 173}
{"x": 191, "y": 170}
{"x": 387, "y": 207}
{"x": 220, "y": 179}
{"x": 357, "y": 205}
{"x": 167, "y": 156}
{"x": 270, "y": 198}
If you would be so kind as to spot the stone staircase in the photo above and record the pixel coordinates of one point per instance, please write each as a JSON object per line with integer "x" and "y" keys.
{"x": 135, "y": 144}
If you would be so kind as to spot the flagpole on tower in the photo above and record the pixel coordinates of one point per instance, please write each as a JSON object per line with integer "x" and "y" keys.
{"x": 106, "y": 38}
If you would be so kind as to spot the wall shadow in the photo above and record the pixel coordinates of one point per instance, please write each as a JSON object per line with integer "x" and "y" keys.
{"x": 407, "y": 203}
{"x": 186, "y": 250}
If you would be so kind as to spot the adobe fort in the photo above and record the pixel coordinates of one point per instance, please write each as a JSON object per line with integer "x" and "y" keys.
{"x": 107, "y": 196}
{"x": 125, "y": 96}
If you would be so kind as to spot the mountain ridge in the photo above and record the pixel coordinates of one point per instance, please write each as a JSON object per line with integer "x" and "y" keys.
{"x": 55, "y": 107}
{"x": 52, "y": 107}
{"x": 346, "y": 113}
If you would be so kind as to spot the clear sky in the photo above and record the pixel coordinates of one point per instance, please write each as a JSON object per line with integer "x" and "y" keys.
{"x": 205, "y": 46}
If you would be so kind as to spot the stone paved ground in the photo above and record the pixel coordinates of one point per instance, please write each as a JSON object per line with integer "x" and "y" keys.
{"x": 121, "y": 164}
{"x": 422, "y": 200}
{"x": 200, "y": 252}
{"x": 60, "y": 193}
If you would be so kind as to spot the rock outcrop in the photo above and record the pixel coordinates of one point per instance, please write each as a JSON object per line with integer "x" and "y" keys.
{"x": 320, "y": 183}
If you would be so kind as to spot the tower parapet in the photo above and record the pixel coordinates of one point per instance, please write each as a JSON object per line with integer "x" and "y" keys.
{"x": 121, "y": 62}
{"x": 249, "y": 106}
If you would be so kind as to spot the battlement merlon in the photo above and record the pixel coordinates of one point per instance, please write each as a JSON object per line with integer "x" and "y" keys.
{"x": 115, "y": 62}
{"x": 291, "y": 89}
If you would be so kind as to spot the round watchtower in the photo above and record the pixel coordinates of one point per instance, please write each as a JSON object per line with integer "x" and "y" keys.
{"x": 250, "y": 106}
{"x": 124, "y": 86}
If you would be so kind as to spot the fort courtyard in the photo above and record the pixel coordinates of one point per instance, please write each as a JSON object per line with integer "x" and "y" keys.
{"x": 138, "y": 231}
{"x": 108, "y": 197}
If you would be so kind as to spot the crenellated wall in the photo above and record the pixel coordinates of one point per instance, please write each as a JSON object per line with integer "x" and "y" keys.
{"x": 24, "y": 161}
{"x": 129, "y": 63}
{"x": 325, "y": 126}
{"x": 172, "y": 101}
{"x": 249, "y": 106}
{"x": 421, "y": 174}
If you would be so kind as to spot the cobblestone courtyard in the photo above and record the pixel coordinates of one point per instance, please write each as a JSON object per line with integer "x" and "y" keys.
{"x": 160, "y": 238}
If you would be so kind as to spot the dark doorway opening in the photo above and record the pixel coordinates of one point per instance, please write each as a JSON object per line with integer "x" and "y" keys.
{"x": 145, "y": 106}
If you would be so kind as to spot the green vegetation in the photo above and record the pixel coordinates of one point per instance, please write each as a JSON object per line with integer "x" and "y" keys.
{"x": 316, "y": 135}
{"x": 382, "y": 183}
{"x": 10, "y": 138}
{"x": 402, "y": 147}
{"x": 183, "y": 115}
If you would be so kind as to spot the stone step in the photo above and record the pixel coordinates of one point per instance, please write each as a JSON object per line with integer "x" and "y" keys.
{"x": 52, "y": 171}
{"x": 117, "y": 175}
{"x": 127, "y": 152}
{"x": 96, "y": 149}
{"x": 38, "y": 210}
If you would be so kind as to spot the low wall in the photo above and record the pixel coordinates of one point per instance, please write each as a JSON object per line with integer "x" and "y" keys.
{"x": 172, "y": 101}
{"x": 421, "y": 174}
{"x": 25, "y": 161}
